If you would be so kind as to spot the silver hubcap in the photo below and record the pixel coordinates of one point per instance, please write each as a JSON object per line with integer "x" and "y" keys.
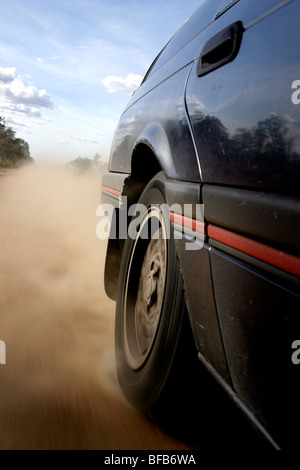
{"x": 144, "y": 292}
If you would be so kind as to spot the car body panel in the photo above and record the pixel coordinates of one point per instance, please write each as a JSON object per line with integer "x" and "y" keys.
{"x": 164, "y": 129}
{"x": 259, "y": 317}
{"x": 270, "y": 218}
{"x": 244, "y": 122}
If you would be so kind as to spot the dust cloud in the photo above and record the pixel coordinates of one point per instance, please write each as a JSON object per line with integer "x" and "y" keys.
{"x": 58, "y": 388}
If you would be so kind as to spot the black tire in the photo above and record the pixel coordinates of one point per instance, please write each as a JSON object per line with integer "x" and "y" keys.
{"x": 155, "y": 349}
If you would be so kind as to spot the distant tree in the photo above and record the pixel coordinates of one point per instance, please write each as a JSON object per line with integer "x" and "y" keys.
{"x": 13, "y": 151}
{"x": 80, "y": 165}
{"x": 83, "y": 164}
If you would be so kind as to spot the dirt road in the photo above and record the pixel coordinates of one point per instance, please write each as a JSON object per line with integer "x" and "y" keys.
{"x": 58, "y": 388}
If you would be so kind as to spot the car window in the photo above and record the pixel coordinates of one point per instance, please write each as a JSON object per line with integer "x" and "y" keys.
{"x": 191, "y": 28}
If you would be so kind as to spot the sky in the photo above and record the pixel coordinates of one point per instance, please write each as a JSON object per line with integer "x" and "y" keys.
{"x": 68, "y": 68}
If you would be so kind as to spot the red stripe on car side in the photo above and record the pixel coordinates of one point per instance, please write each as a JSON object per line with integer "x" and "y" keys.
{"x": 187, "y": 222}
{"x": 111, "y": 190}
{"x": 256, "y": 249}
{"x": 273, "y": 256}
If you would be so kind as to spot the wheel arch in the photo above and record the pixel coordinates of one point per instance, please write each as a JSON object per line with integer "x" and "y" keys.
{"x": 152, "y": 154}
{"x": 146, "y": 161}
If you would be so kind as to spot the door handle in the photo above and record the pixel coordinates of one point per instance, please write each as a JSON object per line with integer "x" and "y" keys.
{"x": 220, "y": 49}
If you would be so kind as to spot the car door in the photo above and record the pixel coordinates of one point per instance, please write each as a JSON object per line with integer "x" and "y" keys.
{"x": 242, "y": 102}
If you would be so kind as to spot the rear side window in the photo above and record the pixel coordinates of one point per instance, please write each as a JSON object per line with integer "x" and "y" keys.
{"x": 193, "y": 26}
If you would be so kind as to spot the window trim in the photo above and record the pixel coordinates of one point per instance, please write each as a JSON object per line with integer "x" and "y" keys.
{"x": 227, "y": 7}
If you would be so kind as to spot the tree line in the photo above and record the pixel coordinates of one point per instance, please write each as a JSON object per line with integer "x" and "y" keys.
{"x": 13, "y": 150}
{"x": 87, "y": 165}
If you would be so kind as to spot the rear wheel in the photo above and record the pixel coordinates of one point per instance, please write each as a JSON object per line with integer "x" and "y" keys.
{"x": 155, "y": 349}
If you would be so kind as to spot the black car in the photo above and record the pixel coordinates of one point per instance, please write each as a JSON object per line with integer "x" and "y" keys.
{"x": 203, "y": 255}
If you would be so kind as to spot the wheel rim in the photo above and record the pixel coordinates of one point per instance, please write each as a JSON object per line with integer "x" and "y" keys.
{"x": 144, "y": 288}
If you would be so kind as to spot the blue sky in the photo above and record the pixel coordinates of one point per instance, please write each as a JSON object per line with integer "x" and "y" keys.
{"x": 68, "y": 67}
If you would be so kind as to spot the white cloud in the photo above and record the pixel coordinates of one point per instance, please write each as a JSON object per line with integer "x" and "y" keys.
{"x": 7, "y": 74}
{"x": 18, "y": 92}
{"x": 19, "y": 108}
{"x": 17, "y": 98}
{"x": 17, "y": 123}
{"x": 126, "y": 84}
